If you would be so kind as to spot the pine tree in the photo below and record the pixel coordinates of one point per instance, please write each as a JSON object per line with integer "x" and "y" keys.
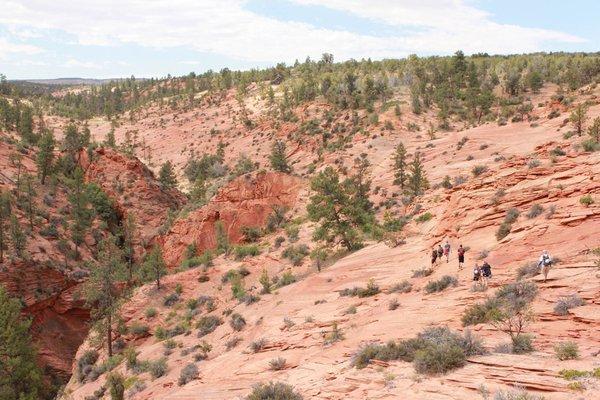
{"x": 578, "y": 117}
{"x": 417, "y": 182}
{"x": 594, "y": 130}
{"x": 101, "y": 291}
{"x": 339, "y": 208}
{"x": 26, "y": 197}
{"x": 25, "y": 125}
{"x": 5, "y": 214}
{"x": 278, "y": 159}
{"x": 166, "y": 176}
{"x": 81, "y": 213}
{"x": 20, "y": 376}
{"x": 16, "y": 160}
{"x": 72, "y": 144}
{"x": 220, "y": 151}
{"x": 198, "y": 191}
{"x": 45, "y": 156}
{"x": 154, "y": 266}
{"x": 17, "y": 237}
{"x": 400, "y": 166}
{"x": 359, "y": 187}
{"x": 129, "y": 229}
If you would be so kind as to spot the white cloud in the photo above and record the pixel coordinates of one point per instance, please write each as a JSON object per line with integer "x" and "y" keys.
{"x": 77, "y": 64}
{"x": 7, "y": 48}
{"x": 225, "y": 27}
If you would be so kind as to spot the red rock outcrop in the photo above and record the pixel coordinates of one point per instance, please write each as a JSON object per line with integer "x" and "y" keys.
{"x": 246, "y": 201}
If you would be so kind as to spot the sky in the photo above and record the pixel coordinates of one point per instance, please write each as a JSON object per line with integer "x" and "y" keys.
{"x": 41, "y": 39}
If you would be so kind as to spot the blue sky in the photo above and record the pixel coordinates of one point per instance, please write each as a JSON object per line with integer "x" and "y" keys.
{"x": 110, "y": 38}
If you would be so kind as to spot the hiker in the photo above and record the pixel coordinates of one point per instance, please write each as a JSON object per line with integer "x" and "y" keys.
{"x": 545, "y": 264}
{"x": 476, "y": 273}
{"x": 440, "y": 253}
{"x": 447, "y": 251}
{"x": 461, "y": 257}
{"x": 434, "y": 254}
{"x": 486, "y": 272}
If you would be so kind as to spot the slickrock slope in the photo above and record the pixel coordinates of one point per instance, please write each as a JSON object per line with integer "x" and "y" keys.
{"x": 295, "y": 319}
{"x": 245, "y": 202}
{"x": 134, "y": 189}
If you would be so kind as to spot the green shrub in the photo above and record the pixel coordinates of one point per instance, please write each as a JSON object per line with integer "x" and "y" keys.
{"x": 157, "y": 368}
{"x": 150, "y": 312}
{"x": 116, "y": 386}
{"x": 371, "y": 290}
{"x": 572, "y": 374}
{"x": 522, "y": 344}
{"x": 566, "y": 351}
{"x": 273, "y": 391}
{"x": 503, "y": 230}
{"x": 237, "y": 322}
{"x": 296, "y": 253}
{"x": 511, "y": 215}
{"x": 478, "y": 170}
{"x": 439, "y": 359}
{"x": 516, "y": 394}
{"x": 170, "y": 300}
{"x": 205, "y": 260}
{"x": 441, "y": 284}
{"x": 424, "y": 217}
{"x": 243, "y": 251}
{"x": 527, "y": 271}
{"x": 251, "y": 233}
{"x": 138, "y": 329}
{"x": 479, "y": 313}
{"x": 208, "y": 324}
{"x": 590, "y": 145}
{"x": 564, "y": 304}
{"x": 587, "y": 200}
{"x": 402, "y": 287}
{"x": 188, "y": 374}
{"x": 286, "y": 279}
{"x": 277, "y": 364}
{"x": 423, "y": 272}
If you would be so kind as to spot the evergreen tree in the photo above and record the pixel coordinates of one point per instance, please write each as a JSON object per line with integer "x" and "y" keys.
{"x": 110, "y": 139}
{"x": 400, "y": 165}
{"x": 154, "y": 266}
{"x": 101, "y": 291}
{"x": 594, "y": 130}
{"x": 198, "y": 191}
{"x": 81, "y": 213}
{"x": 339, "y": 208}
{"x": 578, "y": 117}
{"x": 278, "y": 159}
{"x": 166, "y": 176}
{"x": 16, "y": 160}
{"x": 72, "y": 144}
{"x": 25, "y": 125}
{"x": 129, "y": 229}
{"x": 20, "y": 376}
{"x": 359, "y": 187}
{"x": 26, "y": 197}
{"x": 45, "y": 156}
{"x": 5, "y": 214}
{"x": 220, "y": 151}
{"x": 417, "y": 182}
{"x": 17, "y": 237}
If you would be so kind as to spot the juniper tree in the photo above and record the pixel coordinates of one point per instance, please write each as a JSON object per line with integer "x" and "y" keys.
{"x": 45, "y": 155}
{"x": 5, "y": 214}
{"x": 81, "y": 214}
{"x": 359, "y": 186}
{"x": 197, "y": 193}
{"x": 578, "y": 117}
{"x": 20, "y": 376}
{"x": 110, "y": 141}
{"x": 129, "y": 228}
{"x": 72, "y": 144}
{"x": 166, "y": 176}
{"x": 400, "y": 166}
{"x": 17, "y": 237}
{"x": 26, "y": 197}
{"x": 594, "y": 130}
{"x": 335, "y": 208}
{"x": 417, "y": 182}
{"x": 16, "y": 161}
{"x": 25, "y": 125}
{"x": 154, "y": 266}
{"x": 101, "y": 290}
{"x": 278, "y": 158}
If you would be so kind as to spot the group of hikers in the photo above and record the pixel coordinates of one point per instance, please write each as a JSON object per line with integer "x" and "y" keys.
{"x": 481, "y": 273}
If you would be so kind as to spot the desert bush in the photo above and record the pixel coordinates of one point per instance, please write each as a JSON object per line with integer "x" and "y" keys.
{"x": 564, "y": 304}
{"x": 208, "y": 324}
{"x": 233, "y": 342}
{"x": 258, "y": 345}
{"x": 292, "y": 231}
{"x": 511, "y": 215}
{"x": 533, "y": 163}
{"x": 479, "y": 313}
{"x": 402, "y": 287}
{"x": 286, "y": 279}
{"x": 393, "y": 304}
{"x": 85, "y": 364}
{"x": 439, "y": 359}
{"x": 350, "y": 310}
{"x": 139, "y": 330}
{"x": 150, "y": 312}
{"x": 205, "y": 260}
{"x": 527, "y": 271}
{"x": 335, "y": 335}
{"x": 237, "y": 322}
{"x": 424, "y": 217}
{"x": 587, "y": 200}
{"x": 188, "y": 374}
{"x": 516, "y": 394}
{"x": 566, "y": 351}
{"x": 535, "y": 211}
{"x": 503, "y": 230}
{"x": 557, "y": 152}
{"x": 277, "y": 364}
{"x": 116, "y": 386}
{"x": 278, "y": 241}
{"x": 441, "y": 284}
{"x": 478, "y": 170}
{"x": 157, "y": 368}
{"x": 522, "y": 343}
{"x": 170, "y": 300}
{"x": 423, "y": 272}
{"x": 371, "y": 290}
{"x": 251, "y": 233}
{"x": 296, "y": 253}
{"x": 273, "y": 391}
{"x": 242, "y": 251}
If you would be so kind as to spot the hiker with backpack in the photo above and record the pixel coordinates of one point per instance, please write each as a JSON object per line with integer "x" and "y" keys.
{"x": 476, "y": 273}
{"x": 486, "y": 273}
{"x": 434, "y": 254}
{"x": 545, "y": 263}
{"x": 447, "y": 251}
{"x": 440, "y": 253}
{"x": 461, "y": 257}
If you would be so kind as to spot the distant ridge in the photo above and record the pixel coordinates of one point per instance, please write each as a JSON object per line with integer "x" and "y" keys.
{"x": 69, "y": 81}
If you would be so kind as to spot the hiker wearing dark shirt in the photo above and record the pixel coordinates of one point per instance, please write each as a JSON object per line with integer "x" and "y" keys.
{"x": 486, "y": 272}
{"x": 447, "y": 251}
{"x": 434, "y": 254}
{"x": 461, "y": 257}
{"x": 440, "y": 253}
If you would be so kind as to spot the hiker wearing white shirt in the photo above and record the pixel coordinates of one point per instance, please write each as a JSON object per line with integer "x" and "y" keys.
{"x": 545, "y": 263}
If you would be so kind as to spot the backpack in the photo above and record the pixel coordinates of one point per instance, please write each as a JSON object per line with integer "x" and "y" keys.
{"x": 546, "y": 260}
